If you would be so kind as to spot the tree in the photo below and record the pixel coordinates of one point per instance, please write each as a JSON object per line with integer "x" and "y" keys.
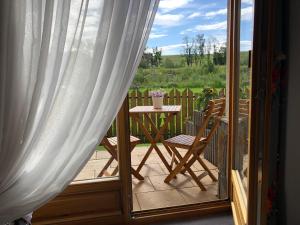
{"x": 146, "y": 60}
{"x": 208, "y": 47}
{"x": 188, "y": 51}
{"x": 223, "y": 52}
{"x": 156, "y": 57}
{"x": 219, "y": 56}
{"x": 151, "y": 59}
{"x": 200, "y": 43}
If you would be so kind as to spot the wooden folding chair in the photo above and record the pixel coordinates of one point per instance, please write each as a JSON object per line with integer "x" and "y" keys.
{"x": 195, "y": 145}
{"x": 111, "y": 145}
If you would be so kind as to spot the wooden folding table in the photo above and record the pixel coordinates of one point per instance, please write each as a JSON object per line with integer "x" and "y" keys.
{"x": 137, "y": 112}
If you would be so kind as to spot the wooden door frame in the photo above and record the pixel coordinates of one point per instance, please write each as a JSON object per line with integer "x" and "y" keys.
{"x": 155, "y": 215}
{"x": 262, "y": 64}
{"x": 118, "y": 203}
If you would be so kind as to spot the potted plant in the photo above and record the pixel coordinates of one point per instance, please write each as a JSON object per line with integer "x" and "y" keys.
{"x": 205, "y": 96}
{"x": 157, "y": 98}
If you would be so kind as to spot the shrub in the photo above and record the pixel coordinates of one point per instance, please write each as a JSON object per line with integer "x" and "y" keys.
{"x": 204, "y": 97}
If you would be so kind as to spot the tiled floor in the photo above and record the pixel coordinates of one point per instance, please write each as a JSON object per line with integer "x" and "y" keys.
{"x": 153, "y": 192}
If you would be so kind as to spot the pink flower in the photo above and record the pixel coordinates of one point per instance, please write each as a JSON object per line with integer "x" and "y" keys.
{"x": 157, "y": 93}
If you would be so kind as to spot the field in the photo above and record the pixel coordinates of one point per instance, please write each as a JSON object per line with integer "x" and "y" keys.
{"x": 174, "y": 73}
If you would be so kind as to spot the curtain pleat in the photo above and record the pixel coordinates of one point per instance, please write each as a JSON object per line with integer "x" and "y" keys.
{"x": 65, "y": 69}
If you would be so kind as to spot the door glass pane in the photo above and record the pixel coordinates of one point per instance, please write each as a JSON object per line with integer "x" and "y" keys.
{"x": 246, "y": 35}
{"x": 183, "y": 67}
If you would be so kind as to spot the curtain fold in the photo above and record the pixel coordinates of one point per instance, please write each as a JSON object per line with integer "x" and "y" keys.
{"x": 65, "y": 69}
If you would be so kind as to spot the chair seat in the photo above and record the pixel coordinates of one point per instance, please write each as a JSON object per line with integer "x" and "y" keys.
{"x": 114, "y": 140}
{"x": 182, "y": 141}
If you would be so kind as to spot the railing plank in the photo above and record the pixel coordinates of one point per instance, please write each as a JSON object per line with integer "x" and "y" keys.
{"x": 162, "y": 117}
{"x": 190, "y": 104}
{"x": 184, "y": 110}
{"x": 153, "y": 117}
{"x": 139, "y": 101}
{"x": 133, "y": 104}
{"x": 179, "y": 115}
{"x": 172, "y": 123}
{"x": 146, "y": 101}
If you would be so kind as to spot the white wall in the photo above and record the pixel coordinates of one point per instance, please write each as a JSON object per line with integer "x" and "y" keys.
{"x": 292, "y": 144}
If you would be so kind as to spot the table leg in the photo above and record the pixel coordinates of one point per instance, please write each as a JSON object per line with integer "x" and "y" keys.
{"x": 160, "y": 136}
{"x": 153, "y": 141}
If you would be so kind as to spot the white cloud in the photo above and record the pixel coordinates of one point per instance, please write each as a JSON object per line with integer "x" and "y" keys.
{"x": 214, "y": 26}
{"x": 216, "y": 13}
{"x": 194, "y": 15}
{"x": 245, "y": 45}
{"x": 248, "y": 2}
{"x": 169, "y": 5}
{"x": 171, "y": 49}
{"x": 186, "y": 31}
{"x": 247, "y": 13}
{"x": 168, "y": 20}
{"x": 154, "y": 35}
{"x": 174, "y": 49}
{"x": 221, "y": 38}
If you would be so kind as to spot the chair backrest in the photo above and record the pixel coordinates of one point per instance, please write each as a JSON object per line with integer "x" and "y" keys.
{"x": 212, "y": 116}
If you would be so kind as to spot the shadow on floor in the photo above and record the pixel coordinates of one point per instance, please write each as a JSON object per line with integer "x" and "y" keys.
{"x": 216, "y": 219}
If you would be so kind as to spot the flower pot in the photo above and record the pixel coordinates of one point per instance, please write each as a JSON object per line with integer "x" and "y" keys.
{"x": 157, "y": 102}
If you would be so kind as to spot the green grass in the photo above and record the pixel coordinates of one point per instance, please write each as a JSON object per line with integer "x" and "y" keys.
{"x": 175, "y": 74}
{"x": 100, "y": 148}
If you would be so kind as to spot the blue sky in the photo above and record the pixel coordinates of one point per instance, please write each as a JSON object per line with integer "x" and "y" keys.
{"x": 178, "y": 18}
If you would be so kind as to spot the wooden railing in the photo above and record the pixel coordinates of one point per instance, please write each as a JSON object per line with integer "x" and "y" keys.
{"x": 185, "y": 98}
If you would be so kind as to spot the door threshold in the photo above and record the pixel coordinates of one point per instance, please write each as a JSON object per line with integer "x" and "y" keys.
{"x": 180, "y": 212}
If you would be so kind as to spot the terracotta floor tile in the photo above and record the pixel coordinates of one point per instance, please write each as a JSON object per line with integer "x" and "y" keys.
{"x": 135, "y": 203}
{"x": 94, "y": 156}
{"x": 181, "y": 181}
{"x": 153, "y": 158}
{"x": 139, "y": 151}
{"x": 151, "y": 169}
{"x": 208, "y": 164}
{"x": 103, "y": 154}
{"x": 159, "y": 199}
{"x": 85, "y": 175}
{"x": 135, "y": 160}
{"x": 95, "y": 164}
{"x": 206, "y": 180}
{"x": 195, "y": 195}
{"x": 139, "y": 186}
{"x": 114, "y": 164}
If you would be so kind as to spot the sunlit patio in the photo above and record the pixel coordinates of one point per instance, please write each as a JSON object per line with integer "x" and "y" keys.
{"x": 153, "y": 192}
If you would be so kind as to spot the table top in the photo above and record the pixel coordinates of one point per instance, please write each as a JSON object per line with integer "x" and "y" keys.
{"x": 150, "y": 109}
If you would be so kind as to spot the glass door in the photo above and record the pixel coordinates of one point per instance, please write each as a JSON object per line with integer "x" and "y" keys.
{"x": 243, "y": 19}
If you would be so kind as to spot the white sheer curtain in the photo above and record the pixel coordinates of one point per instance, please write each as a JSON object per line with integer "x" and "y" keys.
{"x": 65, "y": 68}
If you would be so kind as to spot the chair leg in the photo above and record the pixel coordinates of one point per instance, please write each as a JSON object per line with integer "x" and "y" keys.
{"x": 105, "y": 167}
{"x": 142, "y": 163}
{"x": 179, "y": 166}
{"x": 190, "y": 171}
{"x": 172, "y": 160}
{"x": 194, "y": 158}
{"x": 136, "y": 174}
{"x": 212, "y": 176}
{"x": 133, "y": 171}
{"x": 115, "y": 171}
